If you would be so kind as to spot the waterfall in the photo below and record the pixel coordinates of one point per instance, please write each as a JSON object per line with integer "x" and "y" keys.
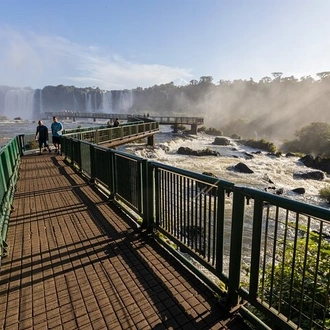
{"x": 125, "y": 100}
{"x": 41, "y": 108}
{"x": 19, "y": 103}
{"x": 88, "y": 102}
{"x": 106, "y": 105}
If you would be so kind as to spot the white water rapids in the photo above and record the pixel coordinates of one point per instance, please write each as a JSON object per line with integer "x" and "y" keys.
{"x": 279, "y": 170}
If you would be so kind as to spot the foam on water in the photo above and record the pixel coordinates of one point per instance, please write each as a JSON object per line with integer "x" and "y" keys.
{"x": 279, "y": 170}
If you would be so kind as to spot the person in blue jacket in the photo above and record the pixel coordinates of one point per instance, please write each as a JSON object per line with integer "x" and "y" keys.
{"x": 57, "y": 129}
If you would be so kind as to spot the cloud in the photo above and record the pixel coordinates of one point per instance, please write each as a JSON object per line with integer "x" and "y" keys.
{"x": 30, "y": 59}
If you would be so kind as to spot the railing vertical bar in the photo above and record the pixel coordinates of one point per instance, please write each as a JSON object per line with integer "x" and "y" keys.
{"x": 265, "y": 254}
{"x": 236, "y": 246}
{"x": 158, "y": 195}
{"x": 285, "y": 238}
{"x": 172, "y": 191}
{"x": 304, "y": 269}
{"x": 293, "y": 263}
{"x": 220, "y": 229}
{"x": 195, "y": 229}
{"x": 200, "y": 223}
{"x": 204, "y": 196}
{"x": 274, "y": 245}
{"x": 209, "y": 227}
{"x": 182, "y": 205}
{"x": 256, "y": 247}
{"x": 316, "y": 271}
{"x": 214, "y": 225}
{"x": 187, "y": 229}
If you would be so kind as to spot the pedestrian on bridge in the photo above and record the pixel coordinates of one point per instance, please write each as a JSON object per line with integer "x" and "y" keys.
{"x": 116, "y": 123}
{"x": 57, "y": 129}
{"x": 42, "y": 136}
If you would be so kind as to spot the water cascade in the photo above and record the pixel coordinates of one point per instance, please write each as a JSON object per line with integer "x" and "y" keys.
{"x": 106, "y": 105}
{"x": 19, "y": 103}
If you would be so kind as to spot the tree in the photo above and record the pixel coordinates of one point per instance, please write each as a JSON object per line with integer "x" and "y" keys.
{"x": 265, "y": 80}
{"x": 277, "y": 75}
{"x": 315, "y": 138}
{"x": 205, "y": 80}
{"x": 324, "y": 75}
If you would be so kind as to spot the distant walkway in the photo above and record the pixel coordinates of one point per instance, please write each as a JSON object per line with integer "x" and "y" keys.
{"x": 77, "y": 262}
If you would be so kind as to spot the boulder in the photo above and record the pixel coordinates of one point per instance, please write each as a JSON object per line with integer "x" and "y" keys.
{"x": 274, "y": 190}
{"x": 268, "y": 179}
{"x": 221, "y": 141}
{"x": 318, "y": 163}
{"x": 241, "y": 167}
{"x": 290, "y": 154}
{"x": 311, "y": 175}
{"x": 307, "y": 160}
{"x": 299, "y": 191}
{"x": 191, "y": 152}
{"x": 248, "y": 155}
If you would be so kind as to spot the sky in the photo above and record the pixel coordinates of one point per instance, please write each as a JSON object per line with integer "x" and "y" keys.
{"x": 125, "y": 44}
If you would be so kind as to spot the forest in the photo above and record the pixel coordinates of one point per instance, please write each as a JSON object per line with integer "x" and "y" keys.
{"x": 272, "y": 109}
{"x": 276, "y": 108}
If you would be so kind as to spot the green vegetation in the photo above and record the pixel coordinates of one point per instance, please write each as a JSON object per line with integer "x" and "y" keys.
{"x": 311, "y": 139}
{"x": 31, "y": 145}
{"x": 210, "y": 131}
{"x": 311, "y": 274}
{"x": 235, "y": 136}
{"x": 260, "y": 144}
{"x": 325, "y": 193}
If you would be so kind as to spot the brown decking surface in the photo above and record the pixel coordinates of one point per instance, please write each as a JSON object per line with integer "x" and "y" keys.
{"x": 75, "y": 261}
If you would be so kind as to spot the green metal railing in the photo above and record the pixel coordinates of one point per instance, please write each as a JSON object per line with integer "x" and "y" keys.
{"x": 262, "y": 252}
{"x": 10, "y": 156}
{"x": 103, "y": 135}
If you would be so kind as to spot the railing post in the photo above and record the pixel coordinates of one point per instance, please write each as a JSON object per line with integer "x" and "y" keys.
{"x": 235, "y": 246}
{"x": 21, "y": 144}
{"x": 148, "y": 196}
{"x": 112, "y": 174}
{"x": 255, "y": 250}
{"x": 92, "y": 158}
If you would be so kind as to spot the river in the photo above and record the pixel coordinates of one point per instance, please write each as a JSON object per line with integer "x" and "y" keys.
{"x": 280, "y": 170}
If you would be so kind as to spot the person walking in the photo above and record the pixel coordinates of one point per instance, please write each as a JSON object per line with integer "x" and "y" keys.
{"x": 57, "y": 129}
{"x": 42, "y": 136}
{"x": 116, "y": 123}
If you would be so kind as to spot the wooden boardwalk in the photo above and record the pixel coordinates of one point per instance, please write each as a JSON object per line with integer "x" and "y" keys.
{"x": 76, "y": 261}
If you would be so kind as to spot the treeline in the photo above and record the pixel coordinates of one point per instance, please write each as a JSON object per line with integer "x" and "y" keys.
{"x": 273, "y": 108}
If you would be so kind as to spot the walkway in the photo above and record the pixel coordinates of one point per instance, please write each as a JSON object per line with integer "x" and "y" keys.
{"x": 77, "y": 262}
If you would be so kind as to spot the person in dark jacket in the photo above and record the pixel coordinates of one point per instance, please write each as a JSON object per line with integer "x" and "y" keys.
{"x": 116, "y": 123}
{"x": 42, "y": 136}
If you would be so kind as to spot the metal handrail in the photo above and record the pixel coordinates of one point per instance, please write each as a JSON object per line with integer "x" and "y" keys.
{"x": 239, "y": 236}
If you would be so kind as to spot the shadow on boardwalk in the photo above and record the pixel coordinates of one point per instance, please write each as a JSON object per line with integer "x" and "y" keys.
{"x": 77, "y": 262}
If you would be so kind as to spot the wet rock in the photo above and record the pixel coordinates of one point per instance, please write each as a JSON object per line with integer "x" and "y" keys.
{"x": 241, "y": 167}
{"x": 290, "y": 154}
{"x": 318, "y": 163}
{"x": 248, "y": 156}
{"x": 274, "y": 190}
{"x": 311, "y": 175}
{"x": 221, "y": 141}
{"x": 267, "y": 179}
{"x": 299, "y": 191}
{"x": 191, "y": 152}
